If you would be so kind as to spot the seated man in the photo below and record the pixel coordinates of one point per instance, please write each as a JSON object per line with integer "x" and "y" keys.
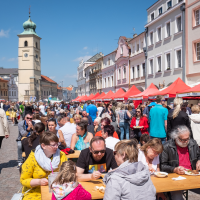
{"x": 180, "y": 153}
{"x": 84, "y": 114}
{"x": 95, "y": 127}
{"x": 95, "y": 160}
{"x": 107, "y": 134}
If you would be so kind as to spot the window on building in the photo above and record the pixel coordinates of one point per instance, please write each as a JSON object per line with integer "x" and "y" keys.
{"x": 108, "y": 81}
{"x": 198, "y": 51}
{"x": 105, "y": 82}
{"x": 133, "y": 72}
{"x": 138, "y": 47}
{"x": 121, "y": 49}
{"x": 26, "y": 92}
{"x": 151, "y": 38}
{"x": 124, "y": 72}
{"x": 159, "y": 63}
{"x": 9, "y": 93}
{"x": 112, "y": 81}
{"x": 178, "y": 23}
{"x": 169, "y": 4}
{"x": 168, "y": 61}
{"x": 1, "y": 93}
{"x": 160, "y": 11}
{"x": 178, "y": 55}
{"x": 108, "y": 61}
{"x": 168, "y": 29}
{"x": 159, "y": 34}
{"x": 36, "y": 45}
{"x": 143, "y": 69}
{"x": 4, "y": 85}
{"x": 44, "y": 93}
{"x": 152, "y": 16}
{"x": 12, "y": 93}
{"x": 119, "y": 74}
{"x": 47, "y": 93}
{"x": 151, "y": 66}
{"x": 4, "y": 92}
{"x": 197, "y": 17}
{"x": 25, "y": 43}
{"x": 138, "y": 71}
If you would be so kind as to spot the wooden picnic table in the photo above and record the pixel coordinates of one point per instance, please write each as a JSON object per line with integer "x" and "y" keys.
{"x": 161, "y": 184}
{"x": 76, "y": 154}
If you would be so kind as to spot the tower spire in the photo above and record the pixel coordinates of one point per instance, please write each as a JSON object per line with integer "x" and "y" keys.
{"x": 29, "y": 11}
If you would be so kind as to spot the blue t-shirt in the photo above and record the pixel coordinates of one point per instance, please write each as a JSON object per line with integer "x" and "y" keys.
{"x": 85, "y": 106}
{"x": 157, "y": 116}
{"x": 92, "y": 110}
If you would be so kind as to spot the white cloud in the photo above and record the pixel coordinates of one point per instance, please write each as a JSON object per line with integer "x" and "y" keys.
{"x": 3, "y": 58}
{"x": 4, "y": 33}
{"x": 95, "y": 49}
{"x": 12, "y": 59}
{"x": 85, "y": 48}
{"x": 84, "y": 58}
{"x": 71, "y": 76}
{"x": 52, "y": 77}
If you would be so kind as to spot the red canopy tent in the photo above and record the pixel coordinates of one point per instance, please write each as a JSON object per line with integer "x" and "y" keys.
{"x": 144, "y": 95}
{"x": 191, "y": 93}
{"x": 170, "y": 92}
{"x": 88, "y": 98}
{"x": 82, "y": 97}
{"x": 132, "y": 91}
{"x": 76, "y": 98}
{"x": 108, "y": 96}
{"x": 118, "y": 93}
{"x": 99, "y": 98}
{"x": 95, "y": 96}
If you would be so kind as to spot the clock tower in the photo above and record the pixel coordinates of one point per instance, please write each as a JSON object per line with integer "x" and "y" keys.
{"x": 29, "y": 63}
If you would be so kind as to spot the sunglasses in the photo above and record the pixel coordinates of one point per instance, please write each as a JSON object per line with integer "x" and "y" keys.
{"x": 29, "y": 118}
{"x": 138, "y": 112}
{"x": 97, "y": 152}
{"x": 182, "y": 140}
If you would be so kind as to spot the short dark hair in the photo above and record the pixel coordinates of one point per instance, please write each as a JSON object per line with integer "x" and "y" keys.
{"x": 144, "y": 138}
{"x": 48, "y": 137}
{"x": 106, "y": 120}
{"x": 52, "y": 120}
{"x": 159, "y": 98}
{"x": 109, "y": 129}
{"x": 83, "y": 126}
{"x": 96, "y": 138}
{"x": 89, "y": 101}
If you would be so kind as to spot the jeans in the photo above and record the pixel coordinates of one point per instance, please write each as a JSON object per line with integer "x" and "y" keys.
{"x": 1, "y": 139}
{"x": 177, "y": 195}
{"x": 124, "y": 128}
{"x": 19, "y": 147}
{"x": 163, "y": 140}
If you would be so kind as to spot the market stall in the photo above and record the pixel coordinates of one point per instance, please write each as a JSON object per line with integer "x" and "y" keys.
{"x": 95, "y": 96}
{"x": 99, "y": 98}
{"x": 108, "y": 96}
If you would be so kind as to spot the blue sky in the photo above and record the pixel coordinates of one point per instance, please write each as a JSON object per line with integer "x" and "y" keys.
{"x": 70, "y": 30}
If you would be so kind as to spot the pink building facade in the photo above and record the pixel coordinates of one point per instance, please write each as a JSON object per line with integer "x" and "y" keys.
{"x": 122, "y": 63}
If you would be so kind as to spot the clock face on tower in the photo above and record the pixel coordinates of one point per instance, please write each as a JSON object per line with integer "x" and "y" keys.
{"x": 25, "y": 55}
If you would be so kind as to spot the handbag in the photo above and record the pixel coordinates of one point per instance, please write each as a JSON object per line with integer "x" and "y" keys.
{"x": 126, "y": 117}
{"x": 19, "y": 196}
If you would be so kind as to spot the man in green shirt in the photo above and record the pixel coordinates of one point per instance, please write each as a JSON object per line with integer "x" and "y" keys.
{"x": 21, "y": 109}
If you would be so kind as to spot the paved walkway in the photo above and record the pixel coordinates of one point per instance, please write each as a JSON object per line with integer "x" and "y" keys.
{"x": 9, "y": 174}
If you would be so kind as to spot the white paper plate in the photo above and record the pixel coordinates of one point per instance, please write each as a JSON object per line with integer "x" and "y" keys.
{"x": 162, "y": 173}
{"x": 192, "y": 174}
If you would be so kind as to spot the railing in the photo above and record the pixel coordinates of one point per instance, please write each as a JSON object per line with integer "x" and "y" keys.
{"x": 124, "y": 80}
{"x": 119, "y": 82}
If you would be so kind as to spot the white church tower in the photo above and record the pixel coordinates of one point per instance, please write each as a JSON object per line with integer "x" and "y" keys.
{"x": 29, "y": 63}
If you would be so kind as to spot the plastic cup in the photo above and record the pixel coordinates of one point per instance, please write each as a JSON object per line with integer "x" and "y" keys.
{"x": 51, "y": 178}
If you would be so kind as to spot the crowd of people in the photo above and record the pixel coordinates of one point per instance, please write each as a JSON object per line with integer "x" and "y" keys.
{"x": 127, "y": 143}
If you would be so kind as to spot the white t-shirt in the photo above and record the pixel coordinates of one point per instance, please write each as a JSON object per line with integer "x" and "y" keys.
{"x": 42, "y": 110}
{"x": 37, "y": 121}
{"x": 68, "y": 130}
{"x": 142, "y": 158}
{"x": 111, "y": 142}
{"x": 99, "y": 110}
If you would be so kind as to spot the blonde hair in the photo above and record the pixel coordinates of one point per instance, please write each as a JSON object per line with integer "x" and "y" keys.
{"x": 122, "y": 107}
{"x": 77, "y": 116}
{"x": 195, "y": 109}
{"x": 129, "y": 149}
{"x": 67, "y": 173}
{"x": 155, "y": 144}
{"x": 41, "y": 103}
{"x": 177, "y": 103}
{"x": 118, "y": 106}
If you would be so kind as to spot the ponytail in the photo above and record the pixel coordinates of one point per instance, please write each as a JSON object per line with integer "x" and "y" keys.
{"x": 177, "y": 103}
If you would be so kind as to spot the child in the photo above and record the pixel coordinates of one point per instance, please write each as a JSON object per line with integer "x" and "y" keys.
{"x": 144, "y": 138}
{"x": 65, "y": 186}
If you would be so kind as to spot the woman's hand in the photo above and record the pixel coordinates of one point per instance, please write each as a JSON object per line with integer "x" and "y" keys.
{"x": 43, "y": 181}
{"x": 151, "y": 169}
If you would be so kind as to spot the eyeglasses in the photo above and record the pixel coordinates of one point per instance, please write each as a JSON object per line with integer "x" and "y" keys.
{"x": 54, "y": 145}
{"x": 97, "y": 152}
{"x": 183, "y": 140}
{"x": 138, "y": 112}
{"x": 29, "y": 118}
{"x": 163, "y": 100}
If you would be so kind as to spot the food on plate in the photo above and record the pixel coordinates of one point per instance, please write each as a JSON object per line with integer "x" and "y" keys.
{"x": 192, "y": 172}
{"x": 101, "y": 189}
{"x": 161, "y": 174}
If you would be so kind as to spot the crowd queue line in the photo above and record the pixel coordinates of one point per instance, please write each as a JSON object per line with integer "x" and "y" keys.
{"x": 125, "y": 143}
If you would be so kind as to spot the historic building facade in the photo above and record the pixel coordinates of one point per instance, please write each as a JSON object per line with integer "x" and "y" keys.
{"x": 192, "y": 41}
{"x": 164, "y": 42}
{"x": 108, "y": 72}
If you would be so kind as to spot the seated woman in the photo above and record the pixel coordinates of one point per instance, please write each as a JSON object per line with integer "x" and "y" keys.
{"x": 37, "y": 167}
{"x": 52, "y": 127}
{"x": 139, "y": 124}
{"x": 81, "y": 139}
{"x": 44, "y": 120}
{"x": 131, "y": 178}
{"x": 106, "y": 121}
{"x": 33, "y": 140}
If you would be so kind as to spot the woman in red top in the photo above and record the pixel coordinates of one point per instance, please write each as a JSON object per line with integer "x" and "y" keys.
{"x": 139, "y": 124}
{"x": 106, "y": 121}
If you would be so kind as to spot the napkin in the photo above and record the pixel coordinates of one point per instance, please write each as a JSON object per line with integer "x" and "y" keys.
{"x": 179, "y": 178}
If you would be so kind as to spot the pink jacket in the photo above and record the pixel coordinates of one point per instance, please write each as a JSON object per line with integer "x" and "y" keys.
{"x": 79, "y": 193}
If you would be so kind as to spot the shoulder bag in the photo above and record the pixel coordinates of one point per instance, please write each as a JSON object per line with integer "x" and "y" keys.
{"x": 19, "y": 196}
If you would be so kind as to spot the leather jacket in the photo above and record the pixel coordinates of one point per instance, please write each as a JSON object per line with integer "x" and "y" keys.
{"x": 169, "y": 159}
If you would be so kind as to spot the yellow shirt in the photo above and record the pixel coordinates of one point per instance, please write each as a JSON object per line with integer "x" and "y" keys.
{"x": 31, "y": 170}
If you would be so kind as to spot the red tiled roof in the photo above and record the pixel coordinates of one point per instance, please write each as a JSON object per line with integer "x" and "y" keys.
{"x": 92, "y": 65}
{"x": 59, "y": 87}
{"x": 46, "y": 78}
{"x": 68, "y": 88}
{"x": 2, "y": 80}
